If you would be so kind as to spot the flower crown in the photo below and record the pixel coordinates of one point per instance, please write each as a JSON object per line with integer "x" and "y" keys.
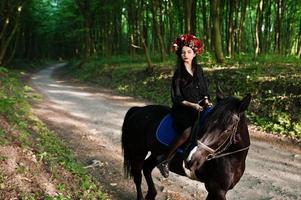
{"x": 189, "y": 41}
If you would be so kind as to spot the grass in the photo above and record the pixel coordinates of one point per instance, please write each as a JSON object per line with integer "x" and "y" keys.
{"x": 34, "y": 135}
{"x": 273, "y": 81}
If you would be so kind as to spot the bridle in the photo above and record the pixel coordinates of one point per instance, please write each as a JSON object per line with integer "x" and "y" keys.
{"x": 217, "y": 153}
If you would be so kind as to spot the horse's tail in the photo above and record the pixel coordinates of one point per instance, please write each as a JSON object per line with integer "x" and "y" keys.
{"x": 125, "y": 143}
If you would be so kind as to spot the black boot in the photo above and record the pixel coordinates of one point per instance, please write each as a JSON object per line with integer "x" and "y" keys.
{"x": 163, "y": 167}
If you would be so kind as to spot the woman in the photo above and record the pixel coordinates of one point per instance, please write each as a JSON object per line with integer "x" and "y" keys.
{"x": 189, "y": 93}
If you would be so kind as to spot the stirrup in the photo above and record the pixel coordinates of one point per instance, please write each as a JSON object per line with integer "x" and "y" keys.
{"x": 163, "y": 168}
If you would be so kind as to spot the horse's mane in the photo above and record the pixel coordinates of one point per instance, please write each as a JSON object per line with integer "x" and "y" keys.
{"x": 222, "y": 113}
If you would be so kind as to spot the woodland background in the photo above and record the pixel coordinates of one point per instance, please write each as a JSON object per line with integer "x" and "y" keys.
{"x": 250, "y": 46}
{"x": 34, "y": 29}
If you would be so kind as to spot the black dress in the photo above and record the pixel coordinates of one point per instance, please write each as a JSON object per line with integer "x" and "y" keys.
{"x": 189, "y": 88}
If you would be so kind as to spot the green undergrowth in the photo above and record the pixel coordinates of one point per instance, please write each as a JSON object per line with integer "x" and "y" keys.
{"x": 273, "y": 81}
{"x": 33, "y": 135}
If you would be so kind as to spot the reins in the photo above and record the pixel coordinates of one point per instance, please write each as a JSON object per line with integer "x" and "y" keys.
{"x": 217, "y": 153}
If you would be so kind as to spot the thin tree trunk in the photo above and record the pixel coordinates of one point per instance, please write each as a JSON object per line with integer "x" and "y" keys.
{"x": 193, "y": 19}
{"x": 278, "y": 25}
{"x": 84, "y": 8}
{"x": 216, "y": 36}
{"x": 157, "y": 30}
{"x": 12, "y": 54}
{"x": 266, "y": 42}
{"x": 5, "y": 42}
{"x": 150, "y": 66}
{"x": 131, "y": 20}
{"x": 230, "y": 29}
{"x": 206, "y": 32}
{"x": 299, "y": 42}
{"x": 3, "y": 30}
{"x": 241, "y": 25}
{"x": 187, "y": 19}
{"x": 258, "y": 27}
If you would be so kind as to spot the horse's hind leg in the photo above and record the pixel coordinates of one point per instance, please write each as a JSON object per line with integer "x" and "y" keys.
{"x": 148, "y": 167}
{"x": 137, "y": 175}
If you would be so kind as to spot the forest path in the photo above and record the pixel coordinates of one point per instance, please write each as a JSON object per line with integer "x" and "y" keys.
{"x": 89, "y": 120}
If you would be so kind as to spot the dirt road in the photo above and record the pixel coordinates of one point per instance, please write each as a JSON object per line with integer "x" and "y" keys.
{"x": 89, "y": 119}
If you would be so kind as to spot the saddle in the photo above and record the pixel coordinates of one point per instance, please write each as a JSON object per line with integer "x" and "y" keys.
{"x": 165, "y": 133}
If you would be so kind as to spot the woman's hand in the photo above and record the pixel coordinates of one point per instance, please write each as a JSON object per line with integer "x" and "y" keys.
{"x": 198, "y": 107}
{"x": 195, "y": 106}
{"x": 207, "y": 103}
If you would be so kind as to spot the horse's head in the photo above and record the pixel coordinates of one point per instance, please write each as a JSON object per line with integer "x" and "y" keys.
{"x": 219, "y": 130}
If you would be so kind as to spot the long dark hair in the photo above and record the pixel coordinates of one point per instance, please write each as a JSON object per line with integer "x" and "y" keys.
{"x": 180, "y": 63}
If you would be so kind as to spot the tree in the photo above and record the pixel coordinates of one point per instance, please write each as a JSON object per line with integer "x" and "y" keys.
{"x": 299, "y": 42}
{"x": 190, "y": 16}
{"x": 88, "y": 13}
{"x": 11, "y": 12}
{"x": 278, "y": 25}
{"x": 230, "y": 28}
{"x": 267, "y": 26}
{"x": 243, "y": 6}
{"x": 142, "y": 32}
{"x": 216, "y": 34}
{"x": 258, "y": 25}
{"x": 206, "y": 32}
{"x": 155, "y": 5}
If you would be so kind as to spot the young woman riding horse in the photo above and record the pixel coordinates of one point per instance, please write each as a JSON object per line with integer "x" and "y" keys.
{"x": 218, "y": 160}
{"x": 223, "y": 141}
{"x": 189, "y": 94}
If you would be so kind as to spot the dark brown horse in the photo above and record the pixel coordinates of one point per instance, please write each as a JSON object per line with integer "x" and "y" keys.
{"x": 218, "y": 160}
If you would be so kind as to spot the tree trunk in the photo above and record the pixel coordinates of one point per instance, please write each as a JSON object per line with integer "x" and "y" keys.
{"x": 131, "y": 20}
{"x": 193, "y": 19}
{"x": 230, "y": 29}
{"x": 13, "y": 51}
{"x": 84, "y": 8}
{"x": 150, "y": 66}
{"x": 216, "y": 36}
{"x": 267, "y": 27}
{"x": 299, "y": 42}
{"x": 206, "y": 32}
{"x": 258, "y": 27}
{"x": 143, "y": 33}
{"x": 88, "y": 38}
{"x": 6, "y": 41}
{"x": 278, "y": 25}
{"x": 187, "y": 19}
{"x": 241, "y": 25}
{"x": 157, "y": 30}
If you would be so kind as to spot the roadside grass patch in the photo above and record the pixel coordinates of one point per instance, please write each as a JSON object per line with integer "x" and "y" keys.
{"x": 38, "y": 152}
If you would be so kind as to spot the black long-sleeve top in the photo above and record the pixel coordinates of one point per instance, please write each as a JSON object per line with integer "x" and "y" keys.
{"x": 186, "y": 87}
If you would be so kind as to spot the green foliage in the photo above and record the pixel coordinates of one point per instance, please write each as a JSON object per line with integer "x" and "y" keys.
{"x": 273, "y": 81}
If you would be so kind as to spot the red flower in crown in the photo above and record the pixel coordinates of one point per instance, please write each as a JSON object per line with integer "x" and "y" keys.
{"x": 189, "y": 41}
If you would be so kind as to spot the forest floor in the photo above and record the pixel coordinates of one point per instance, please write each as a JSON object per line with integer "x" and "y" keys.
{"x": 88, "y": 119}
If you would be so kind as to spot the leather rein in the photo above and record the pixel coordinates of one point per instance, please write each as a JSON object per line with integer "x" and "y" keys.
{"x": 217, "y": 153}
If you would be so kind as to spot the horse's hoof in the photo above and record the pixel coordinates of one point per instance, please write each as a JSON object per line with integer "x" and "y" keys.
{"x": 150, "y": 196}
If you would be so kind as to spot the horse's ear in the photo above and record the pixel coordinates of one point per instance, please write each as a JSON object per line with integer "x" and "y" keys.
{"x": 219, "y": 93}
{"x": 244, "y": 104}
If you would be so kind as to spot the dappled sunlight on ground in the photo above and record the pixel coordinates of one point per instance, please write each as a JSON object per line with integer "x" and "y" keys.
{"x": 90, "y": 120}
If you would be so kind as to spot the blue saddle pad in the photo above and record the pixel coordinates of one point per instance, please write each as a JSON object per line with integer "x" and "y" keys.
{"x": 166, "y": 133}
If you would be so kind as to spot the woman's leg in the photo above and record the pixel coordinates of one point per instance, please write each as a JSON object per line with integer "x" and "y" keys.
{"x": 178, "y": 141}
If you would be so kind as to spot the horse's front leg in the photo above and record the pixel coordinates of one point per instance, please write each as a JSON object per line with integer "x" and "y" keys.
{"x": 148, "y": 167}
{"x": 216, "y": 194}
